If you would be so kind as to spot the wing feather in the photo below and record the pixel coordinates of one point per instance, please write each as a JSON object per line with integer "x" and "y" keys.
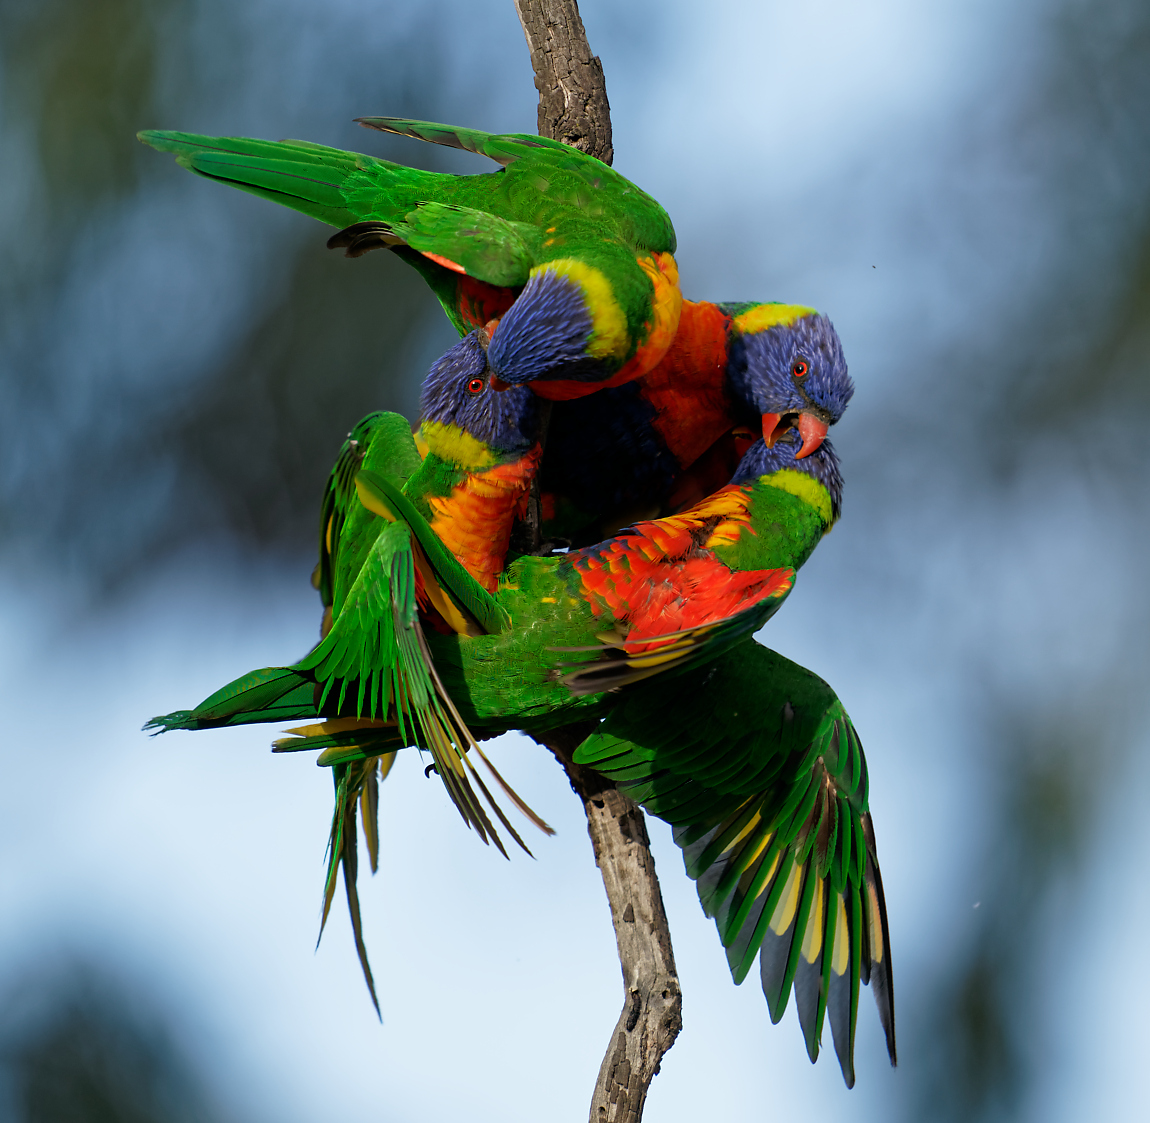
{"x": 766, "y": 789}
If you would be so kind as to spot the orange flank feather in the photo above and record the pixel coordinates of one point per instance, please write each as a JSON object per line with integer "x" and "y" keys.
{"x": 475, "y": 520}
{"x": 717, "y": 520}
{"x": 668, "y": 300}
{"x": 662, "y": 578}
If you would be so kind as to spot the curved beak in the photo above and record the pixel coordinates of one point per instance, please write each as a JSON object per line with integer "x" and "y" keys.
{"x": 774, "y": 427}
{"x": 485, "y": 334}
{"x": 813, "y": 431}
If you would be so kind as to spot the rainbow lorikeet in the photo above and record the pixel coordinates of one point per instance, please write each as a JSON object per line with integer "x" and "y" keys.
{"x": 559, "y": 630}
{"x": 482, "y": 447}
{"x": 661, "y": 596}
{"x": 676, "y": 434}
{"x": 572, "y": 259}
{"x": 755, "y": 763}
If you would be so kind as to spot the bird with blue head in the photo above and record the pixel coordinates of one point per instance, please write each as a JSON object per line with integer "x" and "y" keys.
{"x": 668, "y": 439}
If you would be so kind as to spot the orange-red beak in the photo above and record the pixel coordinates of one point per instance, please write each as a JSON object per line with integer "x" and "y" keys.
{"x": 812, "y": 429}
{"x": 773, "y": 428}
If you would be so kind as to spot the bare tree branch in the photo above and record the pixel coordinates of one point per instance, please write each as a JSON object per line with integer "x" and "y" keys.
{"x": 573, "y": 103}
{"x": 652, "y": 1001}
{"x": 573, "y": 108}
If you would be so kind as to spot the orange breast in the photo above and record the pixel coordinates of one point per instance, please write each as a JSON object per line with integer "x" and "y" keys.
{"x": 476, "y": 519}
{"x": 688, "y": 386}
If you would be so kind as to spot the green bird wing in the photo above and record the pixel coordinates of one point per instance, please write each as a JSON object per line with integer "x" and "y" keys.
{"x": 380, "y": 495}
{"x": 759, "y": 770}
{"x": 270, "y": 694}
{"x": 503, "y": 148}
{"x": 382, "y": 442}
{"x": 325, "y": 183}
{"x": 545, "y": 168}
{"x": 496, "y": 251}
{"x": 377, "y": 656}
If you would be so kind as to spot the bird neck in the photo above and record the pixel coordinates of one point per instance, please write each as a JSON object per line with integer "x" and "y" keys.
{"x": 815, "y": 479}
{"x": 454, "y": 447}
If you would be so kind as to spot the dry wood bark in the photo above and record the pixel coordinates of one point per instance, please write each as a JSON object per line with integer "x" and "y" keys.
{"x": 652, "y": 1001}
{"x": 573, "y": 103}
{"x": 573, "y": 108}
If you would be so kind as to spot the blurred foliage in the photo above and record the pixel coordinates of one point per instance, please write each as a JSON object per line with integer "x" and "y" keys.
{"x": 258, "y": 435}
{"x": 982, "y": 1048}
{"x": 243, "y": 446}
{"x": 78, "y": 1046}
{"x": 1066, "y": 386}
{"x": 78, "y": 77}
{"x": 83, "y": 75}
{"x": 1082, "y": 133}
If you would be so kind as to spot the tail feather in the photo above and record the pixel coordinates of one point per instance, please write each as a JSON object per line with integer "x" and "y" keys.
{"x": 350, "y": 782}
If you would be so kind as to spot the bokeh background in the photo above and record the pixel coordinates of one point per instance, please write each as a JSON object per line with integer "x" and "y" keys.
{"x": 964, "y": 187}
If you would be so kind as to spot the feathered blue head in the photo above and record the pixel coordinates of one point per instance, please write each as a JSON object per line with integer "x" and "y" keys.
{"x": 457, "y": 391}
{"x": 786, "y": 362}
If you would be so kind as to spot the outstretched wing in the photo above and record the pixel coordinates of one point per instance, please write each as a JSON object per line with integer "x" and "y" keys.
{"x": 675, "y": 603}
{"x": 503, "y": 148}
{"x": 318, "y": 181}
{"x": 759, "y": 770}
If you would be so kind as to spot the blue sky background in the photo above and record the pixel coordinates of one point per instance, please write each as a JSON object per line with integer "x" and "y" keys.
{"x": 961, "y": 187}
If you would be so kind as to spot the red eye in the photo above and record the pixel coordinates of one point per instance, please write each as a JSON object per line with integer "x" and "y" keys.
{"x": 800, "y": 368}
{"x": 475, "y": 386}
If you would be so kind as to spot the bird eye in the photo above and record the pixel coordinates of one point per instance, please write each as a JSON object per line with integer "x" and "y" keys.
{"x": 475, "y": 386}
{"x": 800, "y": 368}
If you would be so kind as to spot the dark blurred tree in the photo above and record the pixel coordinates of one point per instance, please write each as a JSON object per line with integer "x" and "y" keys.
{"x": 255, "y": 438}
{"x": 78, "y": 77}
{"x": 241, "y": 448}
{"x": 1066, "y": 390}
{"x": 79, "y": 1046}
